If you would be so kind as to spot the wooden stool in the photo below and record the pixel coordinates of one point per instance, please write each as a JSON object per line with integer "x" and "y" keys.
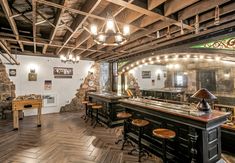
{"x": 89, "y": 111}
{"x": 97, "y": 108}
{"x": 84, "y": 116}
{"x": 125, "y": 116}
{"x": 140, "y": 124}
{"x": 164, "y": 134}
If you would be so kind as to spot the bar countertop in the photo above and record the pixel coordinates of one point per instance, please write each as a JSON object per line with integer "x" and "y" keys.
{"x": 107, "y": 95}
{"x": 184, "y": 111}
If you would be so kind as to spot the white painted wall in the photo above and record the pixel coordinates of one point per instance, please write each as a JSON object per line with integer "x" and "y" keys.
{"x": 147, "y": 83}
{"x": 64, "y": 88}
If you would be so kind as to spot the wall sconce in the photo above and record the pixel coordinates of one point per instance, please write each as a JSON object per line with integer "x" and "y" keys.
{"x": 32, "y": 75}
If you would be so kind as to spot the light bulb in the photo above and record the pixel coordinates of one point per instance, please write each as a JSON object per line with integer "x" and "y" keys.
{"x": 93, "y": 29}
{"x": 77, "y": 58}
{"x": 101, "y": 38}
{"x": 118, "y": 38}
{"x": 126, "y": 30}
{"x": 70, "y": 56}
{"x": 62, "y": 57}
{"x": 110, "y": 25}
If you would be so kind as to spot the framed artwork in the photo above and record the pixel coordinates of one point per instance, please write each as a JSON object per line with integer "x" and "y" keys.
{"x": 146, "y": 74}
{"x": 158, "y": 77}
{"x": 32, "y": 77}
{"x": 47, "y": 85}
{"x": 63, "y": 72}
{"x": 12, "y": 72}
{"x": 49, "y": 100}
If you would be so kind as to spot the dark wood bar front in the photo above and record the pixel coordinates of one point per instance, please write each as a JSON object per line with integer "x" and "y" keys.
{"x": 110, "y": 107}
{"x": 198, "y": 136}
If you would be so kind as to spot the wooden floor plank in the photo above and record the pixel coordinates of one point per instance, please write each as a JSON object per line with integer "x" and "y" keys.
{"x": 64, "y": 138}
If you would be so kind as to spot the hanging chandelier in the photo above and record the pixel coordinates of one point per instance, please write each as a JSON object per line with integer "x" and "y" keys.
{"x": 110, "y": 33}
{"x": 70, "y": 58}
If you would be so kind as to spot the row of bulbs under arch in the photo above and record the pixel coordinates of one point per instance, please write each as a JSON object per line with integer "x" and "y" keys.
{"x": 160, "y": 59}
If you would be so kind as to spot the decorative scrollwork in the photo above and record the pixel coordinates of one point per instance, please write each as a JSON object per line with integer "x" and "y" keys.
{"x": 228, "y": 44}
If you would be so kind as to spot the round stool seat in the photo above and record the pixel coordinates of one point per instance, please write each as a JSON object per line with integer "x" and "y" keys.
{"x": 164, "y": 133}
{"x": 140, "y": 122}
{"x": 85, "y": 102}
{"x": 124, "y": 115}
{"x": 97, "y": 106}
{"x": 91, "y": 103}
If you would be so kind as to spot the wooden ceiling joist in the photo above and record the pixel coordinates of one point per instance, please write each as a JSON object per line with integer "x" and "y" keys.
{"x": 34, "y": 5}
{"x": 178, "y": 39}
{"x": 149, "y": 13}
{"x": 56, "y": 23}
{"x": 153, "y": 3}
{"x": 9, "y": 54}
{"x": 153, "y": 24}
{"x": 78, "y": 22}
{"x": 29, "y": 42}
{"x": 173, "y": 6}
{"x": 8, "y": 13}
{"x": 199, "y": 8}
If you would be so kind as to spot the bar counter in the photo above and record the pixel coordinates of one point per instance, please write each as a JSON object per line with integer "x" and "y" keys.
{"x": 110, "y": 103}
{"x": 198, "y": 135}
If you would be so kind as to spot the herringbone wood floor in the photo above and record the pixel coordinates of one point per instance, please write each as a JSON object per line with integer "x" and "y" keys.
{"x": 62, "y": 138}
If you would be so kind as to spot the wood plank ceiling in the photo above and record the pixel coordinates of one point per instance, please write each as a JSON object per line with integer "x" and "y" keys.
{"x": 51, "y": 28}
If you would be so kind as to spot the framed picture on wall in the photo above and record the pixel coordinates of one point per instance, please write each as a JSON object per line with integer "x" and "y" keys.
{"x": 49, "y": 100}
{"x": 32, "y": 77}
{"x": 47, "y": 85}
{"x": 12, "y": 72}
{"x": 146, "y": 74}
{"x": 63, "y": 72}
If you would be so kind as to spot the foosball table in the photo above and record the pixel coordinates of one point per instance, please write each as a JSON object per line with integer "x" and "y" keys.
{"x": 26, "y": 102}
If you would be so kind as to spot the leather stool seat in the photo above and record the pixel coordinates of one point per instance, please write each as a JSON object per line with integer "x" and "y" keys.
{"x": 124, "y": 115}
{"x": 164, "y": 134}
{"x": 140, "y": 122}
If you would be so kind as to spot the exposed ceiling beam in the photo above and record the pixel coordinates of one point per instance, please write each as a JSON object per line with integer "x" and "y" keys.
{"x": 149, "y": 13}
{"x": 34, "y": 5}
{"x": 154, "y": 3}
{"x": 43, "y": 17}
{"x": 173, "y": 6}
{"x": 160, "y": 25}
{"x": 8, "y": 14}
{"x": 199, "y": 8}
{"x": 8, "y": 53}
{"x": 77, "y": 24}
{"x": 81, "y": 12}
{"x": 21, "y": 14}
{"x": 177, "y": 39}
{"x": 28, "y": 41}
{"x": 57, "y": 23}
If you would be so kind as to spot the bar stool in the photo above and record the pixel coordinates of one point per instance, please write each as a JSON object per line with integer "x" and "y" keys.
{"x": 89, "y": 111}
{"x": 140, "y": 124}
{"x": 164, "y": 134}
{"x": 97, "y": 108}
{"x": 84, "y": 116}
{"x": 125, "y": 116}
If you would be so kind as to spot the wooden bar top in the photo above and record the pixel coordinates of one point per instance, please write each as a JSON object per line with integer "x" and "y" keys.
{"x": 167, "y": 90}
{"x": 107, "y": 95}
{"x": 174, "y": 109}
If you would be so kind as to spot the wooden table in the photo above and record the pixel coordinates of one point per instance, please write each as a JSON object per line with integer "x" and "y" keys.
{"x": 23, "y": 103}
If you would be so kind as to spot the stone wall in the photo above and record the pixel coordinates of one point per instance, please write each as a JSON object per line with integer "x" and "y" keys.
{"x": 91, "y": 83}
{"x": 7, "y": 88}
{"x": 133, "y": 85}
